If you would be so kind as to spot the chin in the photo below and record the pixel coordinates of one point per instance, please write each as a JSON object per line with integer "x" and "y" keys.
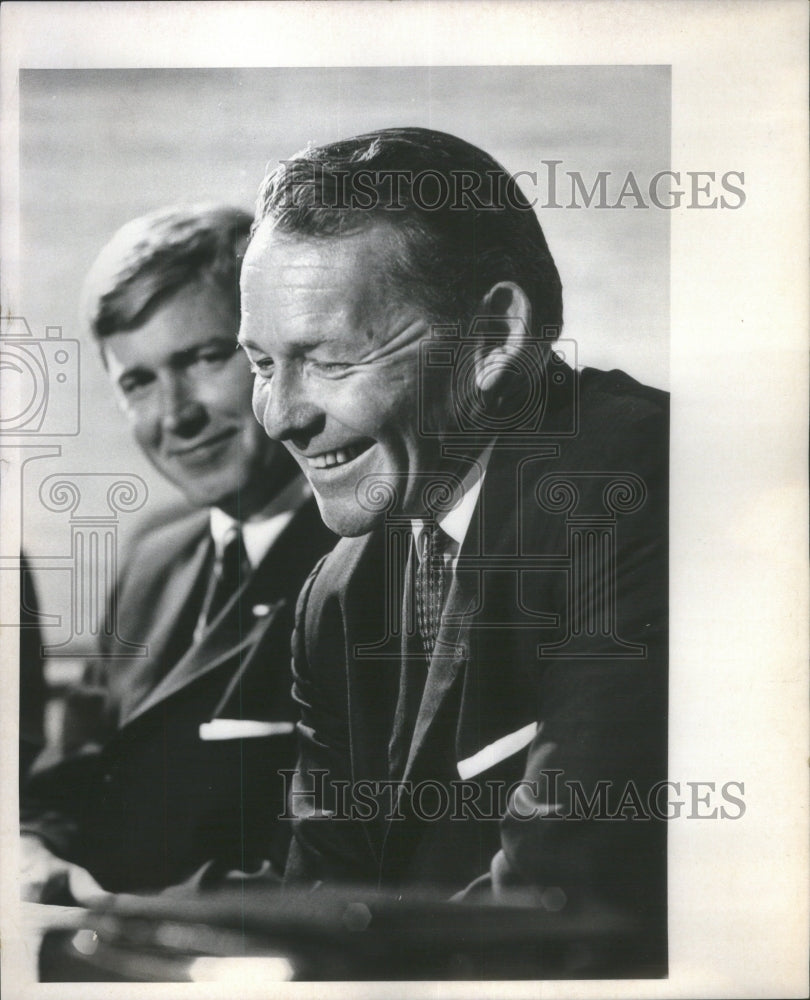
{"x": 347, "y": 524}
{"x": 205, "y": 500}
{"x": 220, "y": 494}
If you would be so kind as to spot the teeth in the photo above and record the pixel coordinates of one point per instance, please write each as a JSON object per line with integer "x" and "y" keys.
{"x": 330, "y": 458}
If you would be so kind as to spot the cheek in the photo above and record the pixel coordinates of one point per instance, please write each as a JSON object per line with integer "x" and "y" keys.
{"x": 258, "y": 398}
{"x": 373, "y": 406}
{"x": 144, "y": 424}
{"x": 226, "y": 392}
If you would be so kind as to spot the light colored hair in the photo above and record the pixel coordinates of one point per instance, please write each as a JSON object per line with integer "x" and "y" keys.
{"x": 154, "y": 256}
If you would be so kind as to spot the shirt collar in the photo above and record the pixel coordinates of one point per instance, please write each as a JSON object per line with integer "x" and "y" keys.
{"x": 260, "y": 533}
{"x": 456, "y": 522}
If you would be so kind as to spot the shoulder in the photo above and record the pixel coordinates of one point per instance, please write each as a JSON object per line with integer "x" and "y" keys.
{"x": 336, "y": 570}
{"x": 610, "y": 434}
{"x": 164, "y": 538}
{"x": 620, "y": 393}
{"x": 320, "y": 621}
{"x": 344, "y": 592}
{"x": 172, "y": 528}
{"x": 306, "y": 538}
{"x": 618, "y": 419}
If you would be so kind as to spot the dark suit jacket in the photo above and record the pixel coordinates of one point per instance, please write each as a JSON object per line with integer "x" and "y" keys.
{"x": 550, "y": 669}
{"x": 133, "y": 793}
{"x": 32, "y": 681}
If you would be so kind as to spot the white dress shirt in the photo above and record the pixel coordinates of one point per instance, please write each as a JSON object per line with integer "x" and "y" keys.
{"x": 259, "y": 535}
{"x": 456, "y": 522}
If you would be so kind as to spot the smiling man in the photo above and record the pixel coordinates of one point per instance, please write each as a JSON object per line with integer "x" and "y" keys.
{"x": 168, "y": 759}
{"x": 481, "y": 662}
{"x": 343, "y": 365}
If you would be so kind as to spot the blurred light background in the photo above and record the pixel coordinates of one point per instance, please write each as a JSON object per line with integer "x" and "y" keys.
{"x": 99, "y": 147}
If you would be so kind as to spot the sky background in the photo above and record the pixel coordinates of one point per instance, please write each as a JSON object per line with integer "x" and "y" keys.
{"x": 99, "y": 147}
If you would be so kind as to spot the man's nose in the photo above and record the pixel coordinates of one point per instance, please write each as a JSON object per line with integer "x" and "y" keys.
{"x": 284, "y": 409}
{"x": 182, "y": 413}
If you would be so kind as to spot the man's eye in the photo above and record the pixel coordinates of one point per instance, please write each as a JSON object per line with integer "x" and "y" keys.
{"x": 134, "y": 385}
{"x": 328, "y": 368}
{"x": 262, "y": 368}
{"x": 213, "y": 357}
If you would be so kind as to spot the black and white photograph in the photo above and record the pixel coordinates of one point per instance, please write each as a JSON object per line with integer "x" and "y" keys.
{"x": 404, "y": 578}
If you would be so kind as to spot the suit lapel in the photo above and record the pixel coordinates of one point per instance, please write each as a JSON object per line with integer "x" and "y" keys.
{"x": 445, "y": 670}
{"x": 171, "y": 605}
{"x": 503, "y": 667}
{"x": 249, "y": 613}
{"x": 371, "y": 678}
{"x": 222, "y": 641}
{"x": 468, "y": 600}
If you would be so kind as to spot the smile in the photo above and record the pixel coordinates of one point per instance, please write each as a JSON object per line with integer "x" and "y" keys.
{"x": 203, "y": 447}
{"x": 340, "y": 456}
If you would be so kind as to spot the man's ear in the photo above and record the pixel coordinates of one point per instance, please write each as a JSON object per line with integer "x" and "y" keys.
{"x": 504, "y": 326}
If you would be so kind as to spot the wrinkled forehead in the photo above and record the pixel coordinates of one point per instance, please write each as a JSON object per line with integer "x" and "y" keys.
{"x": 349, "y": 254}
{"x": 339, "y": 284}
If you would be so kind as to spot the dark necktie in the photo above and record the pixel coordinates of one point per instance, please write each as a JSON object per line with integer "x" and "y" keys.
{"x": 430, "y": 574}
{"x": 231, "y": 567}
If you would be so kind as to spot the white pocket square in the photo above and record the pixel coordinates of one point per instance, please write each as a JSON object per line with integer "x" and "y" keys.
{"x": 240, "y": 729}
{"x": 495, "y": 752}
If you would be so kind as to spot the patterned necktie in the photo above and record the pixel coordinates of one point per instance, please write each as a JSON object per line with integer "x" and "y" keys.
{"x": 231, "y": 567}
{"x": 428, "y": 597}
{"x": 430, "y": 575}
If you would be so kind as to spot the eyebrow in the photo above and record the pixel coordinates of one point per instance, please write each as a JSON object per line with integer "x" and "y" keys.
{"x": 246, "y": 342}
{"x": 182, "y": 357}
{"x": 304, "y": 344}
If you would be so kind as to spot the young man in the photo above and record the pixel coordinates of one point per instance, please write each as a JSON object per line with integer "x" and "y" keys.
{"x": 481, "y": 661}
{"x": 169, "y": 761}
